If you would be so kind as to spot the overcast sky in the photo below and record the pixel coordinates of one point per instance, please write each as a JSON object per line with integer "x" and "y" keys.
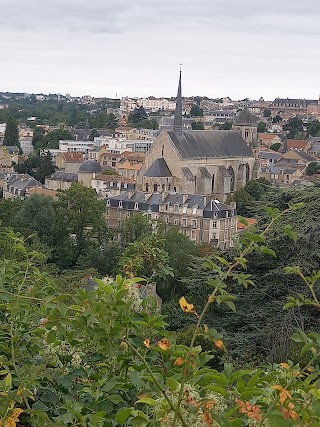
{"x": 236, "y": 48}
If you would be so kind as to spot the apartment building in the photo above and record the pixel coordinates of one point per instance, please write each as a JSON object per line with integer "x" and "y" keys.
{"x": 202, "y": 219}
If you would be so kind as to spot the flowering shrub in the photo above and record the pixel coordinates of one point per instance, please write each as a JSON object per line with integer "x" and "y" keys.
{"x": 107, "y": 359}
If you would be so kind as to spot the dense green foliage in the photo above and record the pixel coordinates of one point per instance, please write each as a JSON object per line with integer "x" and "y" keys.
{"x": 54, "y": 112}
{"x": 262, "y": 127}
{"x": 225, "y": 126}
{"x": 312, "y": 168}
{"x": 293, "y": 126}
{"x": 314, "y": 128}
{"x": 42, "y": 139}
{"x": 275, "y": 146}
{"x": 196, "y": 111}
{"x": 11, "y": 135}
{"x": 197, "y": 125}
{"x": 139, "y": 118}
{"x": 38, "y": 166}
{"x": 105, "y": 358}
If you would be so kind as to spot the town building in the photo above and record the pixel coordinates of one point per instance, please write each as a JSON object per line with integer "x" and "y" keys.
{"x": 26, "y": 145}
{"x": 88, "y": 171}
{"x": 61, "y": 180}
{"x": 69, "y": 161}
{"x": 268, "y": 139}
{"x": 210, "y": 162}
{"x": 112, "y": 185}
{"x": 202, "y": 219}
{"x": 16, "y": 185}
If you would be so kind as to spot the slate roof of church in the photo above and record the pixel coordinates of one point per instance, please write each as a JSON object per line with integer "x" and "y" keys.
{"x": 159, "y": 168}
{"x": 194, "y": 144}
{"x": 245, "y": 117}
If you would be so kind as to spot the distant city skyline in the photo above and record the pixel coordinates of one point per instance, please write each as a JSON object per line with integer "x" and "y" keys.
{"x": 227, "y": 48}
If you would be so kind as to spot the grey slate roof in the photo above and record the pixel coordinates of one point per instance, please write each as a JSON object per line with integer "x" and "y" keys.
{"x": 65, "y": 176}
{"x": 269, "y": 155}
{"x": 188, "y": 174}
{"x": 159, "y": 168}
{"x": 246, "y": 118}
{"x": 205, "y": 173}
{"x": 90, "y": 166}
{"x": 210, "y": 143}
{"x": 12, "y": 149}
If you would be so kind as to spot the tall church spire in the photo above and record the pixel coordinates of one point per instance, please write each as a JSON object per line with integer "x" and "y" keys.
{"x": 177, "y": 124}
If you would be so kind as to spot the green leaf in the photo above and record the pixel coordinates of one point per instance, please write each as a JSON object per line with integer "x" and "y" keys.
{"x": 268, "y": 251}
{"x": 217, "y": 389}
{"x": 115, "y": 398}
{"x": 8, "y": 381}
{"x": 51, "y": 338}
{"x": 122, "y": 415}
{"x": 147, "y": 401}
{"x": 222, "y": 261}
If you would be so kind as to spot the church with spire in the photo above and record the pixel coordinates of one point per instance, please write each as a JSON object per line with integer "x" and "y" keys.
{"x": 213, "y": 163}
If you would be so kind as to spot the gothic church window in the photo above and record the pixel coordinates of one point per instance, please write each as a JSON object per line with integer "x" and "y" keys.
{"x": 231, "y": 173}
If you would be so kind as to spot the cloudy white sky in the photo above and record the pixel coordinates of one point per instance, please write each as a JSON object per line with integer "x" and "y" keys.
{"x": 237, "y": 48}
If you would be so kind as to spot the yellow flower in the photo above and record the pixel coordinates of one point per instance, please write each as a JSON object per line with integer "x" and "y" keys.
{"x": 185, "y": 306}
{"x": 219, "y": 344}
{"x": 285, "y": 365}
{"x": 289, "y": 412}
{"x": 284, "y": 394}
{"x": 164, "y": 344}
{"x": 147, "y": 343}
{"x": 13, "y": 419}
{"x": 179, "y": 361}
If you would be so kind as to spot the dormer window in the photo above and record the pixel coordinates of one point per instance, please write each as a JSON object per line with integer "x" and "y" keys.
{"x": 166, "y": 206}
{"x": 136, "y": 206}
{"x": 120, "y": 204}
{"x": 214, "y": 214}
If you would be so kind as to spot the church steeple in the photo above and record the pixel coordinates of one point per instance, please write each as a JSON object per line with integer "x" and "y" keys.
{"x": 177, "y": 124}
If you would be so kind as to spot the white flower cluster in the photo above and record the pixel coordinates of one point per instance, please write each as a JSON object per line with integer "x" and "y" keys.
{"x": 191, "y": 407}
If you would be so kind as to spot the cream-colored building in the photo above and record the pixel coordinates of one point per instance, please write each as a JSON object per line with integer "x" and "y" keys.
{"x": 206, "y": 162}
{"x": 202, "y": 219}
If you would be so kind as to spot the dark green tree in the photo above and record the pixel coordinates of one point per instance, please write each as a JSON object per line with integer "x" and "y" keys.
{"x": 277, "y": 119}
{"x": 262, "y": 127}
{"x": 312, "y": 168}
{"x": 135, "y": 228}
{"x": 275, "y": 146}
{"x": 93, "y": 134}
{"x": 197, "y": 126}
{"x": 196, "y": 111}
{"x": 266, "y": 112}
{"x": 38, "y": 166}
{"x": 111, "y": 121}
{"x": 137, "y": 116}
{"x": 38, "y": 136}
{"x": 51, "y": 139}
{"x": 314, "y": 128}
{"x": 79, "y": 214}
{"x": 225, "y": 126}
{"x": 11, "y": 135}
{"x": 36, "y": 215}
{"x": 293, "y": 126}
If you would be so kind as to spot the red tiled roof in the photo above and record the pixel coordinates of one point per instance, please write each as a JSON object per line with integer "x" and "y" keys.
{"x": 73, "y": 157}
{"x": 295, "y": 144}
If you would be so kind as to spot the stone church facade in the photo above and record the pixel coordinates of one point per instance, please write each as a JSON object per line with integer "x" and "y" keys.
{"x": 214, "y": 163}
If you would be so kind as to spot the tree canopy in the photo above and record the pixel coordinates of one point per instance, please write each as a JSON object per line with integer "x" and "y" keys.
{"x": 196, "y": 111}
{"x": 11, "y": 135}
